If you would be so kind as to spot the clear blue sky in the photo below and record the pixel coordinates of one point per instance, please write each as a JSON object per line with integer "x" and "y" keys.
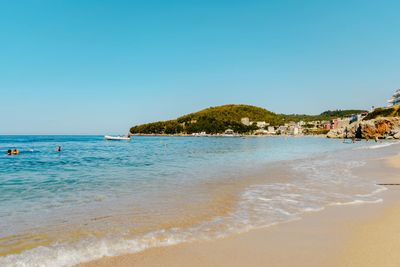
{"x": 102, "y": 66}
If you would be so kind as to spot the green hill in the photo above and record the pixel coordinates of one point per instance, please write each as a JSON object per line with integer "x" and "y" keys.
{"x": 384, "y": 112}
{"x": 231, "y": 113}
{"x": 217, "y": 119}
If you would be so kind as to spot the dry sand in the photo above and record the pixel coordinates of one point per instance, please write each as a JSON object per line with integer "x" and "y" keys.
{"x": 354, "y": 235}
{"x": 394, "y": 161}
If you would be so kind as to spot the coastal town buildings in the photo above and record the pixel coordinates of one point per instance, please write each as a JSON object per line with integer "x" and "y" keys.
{"x": 346, "y": 121}
{"x": 304, "y": 127}
{"x": 295, "y": 128}
{"x": 339, "y": 122}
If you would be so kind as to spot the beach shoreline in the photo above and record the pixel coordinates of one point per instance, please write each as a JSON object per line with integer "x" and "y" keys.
{"x": 236, "y": 136}
{"x": 335, "y": 236}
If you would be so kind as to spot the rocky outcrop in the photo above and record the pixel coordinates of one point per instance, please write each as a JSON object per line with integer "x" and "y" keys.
{"x": 376, "y": 128}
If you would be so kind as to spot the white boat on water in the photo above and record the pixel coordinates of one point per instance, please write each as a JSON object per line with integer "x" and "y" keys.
{"x": 230, "y": 133}
{"x": 202, "y": 134}
{"x": 117, "y": 138}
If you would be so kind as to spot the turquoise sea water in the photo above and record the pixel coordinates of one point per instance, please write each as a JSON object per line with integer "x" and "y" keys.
{"x": 98, "y": 197}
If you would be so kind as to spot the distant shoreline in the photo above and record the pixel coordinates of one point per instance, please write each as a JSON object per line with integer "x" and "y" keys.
{"x": 220, "y": 135}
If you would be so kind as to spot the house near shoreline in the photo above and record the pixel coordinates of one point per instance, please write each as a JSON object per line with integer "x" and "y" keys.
{"x": 339, "y": 123}
{"x": 229, "y": 131}
{"x": 271, "y": 130}
{"x": 260, "y": 124}
{"x": 346, "y": 121}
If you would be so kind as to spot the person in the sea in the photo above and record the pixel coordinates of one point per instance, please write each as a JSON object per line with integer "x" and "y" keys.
{"x": 58, "y": 148}
{"x": 15, "y": 151}
{"x": 9, "y": 152}
{"x": 358, "y": 133}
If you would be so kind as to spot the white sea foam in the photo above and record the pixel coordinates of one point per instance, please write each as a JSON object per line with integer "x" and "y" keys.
{"x": 377, "y": 146}
{"x": 320, "y": 183}
{"x": 380, "y": 189}
{"x": 69, "y": 255}
{"x": 356, "y": 202}
{"x": 381, "y": 145}
{"x": 313, "y": 209}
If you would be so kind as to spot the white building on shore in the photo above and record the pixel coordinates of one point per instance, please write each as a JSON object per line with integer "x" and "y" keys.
{"x": 395, "y": 99}
{"x": 262, "y": 124}
{"x": 271, "y": 130}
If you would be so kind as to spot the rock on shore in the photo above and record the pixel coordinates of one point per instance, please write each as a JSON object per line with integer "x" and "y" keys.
{"x": 383, "y": 127}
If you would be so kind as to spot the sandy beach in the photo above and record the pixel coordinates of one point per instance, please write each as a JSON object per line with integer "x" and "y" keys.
{"x": 350, "y": 235}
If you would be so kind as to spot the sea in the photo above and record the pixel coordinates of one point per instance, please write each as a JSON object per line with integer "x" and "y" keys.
{"x": 100, "y": 198}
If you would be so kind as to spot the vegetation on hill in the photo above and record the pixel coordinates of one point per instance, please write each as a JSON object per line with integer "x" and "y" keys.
{"x": 384, "y": 112}
{"x": 210, "y": 120}
{"x": 217, "y": 119}
{"x": 340, "y": 113}
{"x": 231, "y": 113}
{"x": 324, "y": 116}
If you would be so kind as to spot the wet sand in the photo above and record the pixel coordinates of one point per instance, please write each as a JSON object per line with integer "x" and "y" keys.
{"x": 335, "y": 237}
{"x": 376, "y": 242}
{"x": 352, "y": 235}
